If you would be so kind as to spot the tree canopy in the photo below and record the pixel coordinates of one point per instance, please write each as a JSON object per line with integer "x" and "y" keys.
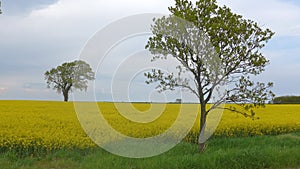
{"x": 286, "y": 100}
{"x": 218, "y": 48}
{"x": 69, "y": 76}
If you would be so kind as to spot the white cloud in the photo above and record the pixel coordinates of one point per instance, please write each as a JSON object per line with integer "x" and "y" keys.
{"x": 46, "y": 37}
{"x": 109, "y": 9}
{"x": 281, "y": 16}
{"x": 296, "y": 30}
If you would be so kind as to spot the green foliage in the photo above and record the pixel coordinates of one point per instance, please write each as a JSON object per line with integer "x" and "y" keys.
{"x": 217, "y": 48}
{"x": 287, "y": 100}
{"x": 252, "y": 152}
{"x": 68, "y": 76}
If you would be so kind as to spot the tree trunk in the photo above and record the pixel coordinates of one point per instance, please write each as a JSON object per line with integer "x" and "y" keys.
{"x": 202, "y": 139}
{"x": 66, "y": 95}
{"x": 201, "y": 147}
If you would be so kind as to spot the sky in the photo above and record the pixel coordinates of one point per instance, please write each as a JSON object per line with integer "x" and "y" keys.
{"x": 36, "y": 36}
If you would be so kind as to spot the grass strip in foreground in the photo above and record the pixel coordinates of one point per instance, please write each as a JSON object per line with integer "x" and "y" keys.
{"x": 282, "y": 151}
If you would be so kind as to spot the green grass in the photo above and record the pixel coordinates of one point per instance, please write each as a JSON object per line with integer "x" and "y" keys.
{"x": 281, "y": 151}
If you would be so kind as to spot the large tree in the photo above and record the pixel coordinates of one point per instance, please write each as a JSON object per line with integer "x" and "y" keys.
{"x": 69, "y": 76}
{"x": 217, "y": 48}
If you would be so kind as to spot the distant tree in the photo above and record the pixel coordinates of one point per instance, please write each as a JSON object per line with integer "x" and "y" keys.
{"x": 287, "y": 100}
{"x": 178, "y": 100}
{"x": 236, "y": 43}
{"x": 69, "y": 76}
{"x": 0, "y": 8}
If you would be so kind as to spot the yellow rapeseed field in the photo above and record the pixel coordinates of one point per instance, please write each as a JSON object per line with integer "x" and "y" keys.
{"x": 40, "y": 126}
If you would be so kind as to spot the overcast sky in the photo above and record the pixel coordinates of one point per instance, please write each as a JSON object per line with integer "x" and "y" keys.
{"x": 37, "y": 35}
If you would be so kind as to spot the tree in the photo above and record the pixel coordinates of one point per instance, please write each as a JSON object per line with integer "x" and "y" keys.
{"x": 217, "y": 47}
{"x": 69, "y": 76}
{"x": 286, "y": 100}
{"x": 0, "y": 8}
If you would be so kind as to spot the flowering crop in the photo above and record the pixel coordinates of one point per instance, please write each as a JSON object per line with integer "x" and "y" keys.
{"x": 37, "y": 127}
{"x": 272, "y": 120}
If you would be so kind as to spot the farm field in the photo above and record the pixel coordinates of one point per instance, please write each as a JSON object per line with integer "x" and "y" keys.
{"x": 48, "y": 134}
{"x": 37, "y": 127}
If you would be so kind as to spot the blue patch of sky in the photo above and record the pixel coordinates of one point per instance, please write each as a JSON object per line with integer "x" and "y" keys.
{"x": 287, "y": 47}
{"x": 295, "y": 2}
{"x": 284, "y": 42}
{"x": 21, "y": 7}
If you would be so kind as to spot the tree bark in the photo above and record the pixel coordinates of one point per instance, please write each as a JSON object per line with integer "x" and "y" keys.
{"x": 66, "y": 90}
{"x": 202, "y": 139}
{"x": 66, "y": 95}
{"x": 202, "y": 147}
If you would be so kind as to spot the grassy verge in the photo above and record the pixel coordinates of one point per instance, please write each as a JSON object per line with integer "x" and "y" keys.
{"x": 281, "y": 151}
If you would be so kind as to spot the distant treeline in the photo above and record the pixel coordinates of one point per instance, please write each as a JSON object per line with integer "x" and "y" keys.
{"x": 287, "y": 100}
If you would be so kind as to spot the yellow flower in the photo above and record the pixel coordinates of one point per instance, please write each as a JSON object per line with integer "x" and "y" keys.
{"x": 34, "y": 126}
